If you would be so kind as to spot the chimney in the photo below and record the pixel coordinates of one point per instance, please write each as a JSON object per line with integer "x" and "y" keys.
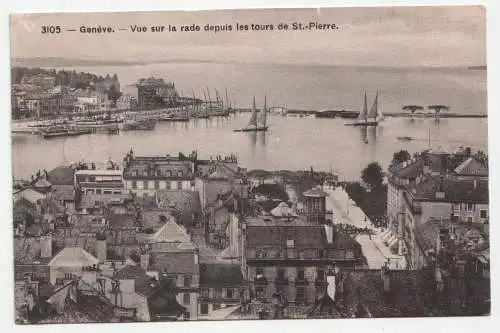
{"x": 145, "y": 261}
{"x": 101, "y": 248}
{"x": 46, "y": 247}
{"x": 329, "y": 232}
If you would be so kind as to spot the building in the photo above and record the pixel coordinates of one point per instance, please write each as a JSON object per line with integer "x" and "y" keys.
{"x": 146, "y": 175}
{"x": 69, "y": 263}
{"x": 154, "y": 93}
{"x": 42, "y": 81}
{"x": 171, "y": 251}
{"x": 41, "y": 104}
{"x": 221, "y": 286}
{"x": 425, "y": 187}
{"x": 131, "y": 90}
{"x": 99, "y": 181}
{"x": 126, "y": 102}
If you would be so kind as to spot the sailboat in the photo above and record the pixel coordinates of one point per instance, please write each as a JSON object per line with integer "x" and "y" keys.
{"x": 366, "y": 118}
{"x": 254, "y": 124}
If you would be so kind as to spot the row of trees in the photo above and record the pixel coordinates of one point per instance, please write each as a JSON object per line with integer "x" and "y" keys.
{"x": 71, "y": 79}
{"x": 412, "y": 108}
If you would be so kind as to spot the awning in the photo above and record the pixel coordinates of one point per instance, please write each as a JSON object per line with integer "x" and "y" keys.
{"x": 386, "y": 235}
{"x": 223, "y": 313}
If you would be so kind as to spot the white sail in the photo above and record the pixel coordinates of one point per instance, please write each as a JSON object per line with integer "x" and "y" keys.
{"x": 363, "y": 114}
{"x": 372, "y": 115}
{"x": 263, "y": 114}
{"x": 253, "y": 118}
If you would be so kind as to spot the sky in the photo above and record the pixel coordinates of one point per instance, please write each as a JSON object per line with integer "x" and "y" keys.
{"x": 370, "y": 36}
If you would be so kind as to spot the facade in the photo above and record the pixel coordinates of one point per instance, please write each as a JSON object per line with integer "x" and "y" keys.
{"x": 41, "y": 81}
{"x": 69, "y": 263}
{"x": 221, "y": 286}
{"x": 146, "y": 175}
{"x": 101, "y": 181}
{"x": 126, "y": 102}
{"x": 154, "y": 93}
{"x": 290, "y": 256}
{"x": 171, "y": 251}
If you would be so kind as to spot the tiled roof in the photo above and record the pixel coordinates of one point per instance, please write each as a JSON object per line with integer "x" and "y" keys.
{"x": 62, "y": 175}
{"x": 64, "y": 192}
{"x": 440, "y": 150}
{"x": 315, "y": 192}
{"x": 43, "y": 183}
{"x": 171, "y": 232}
{"x": 214, "y": 274}
{"x": 472, "y": 167}
{"x": 163, "y": 305}
{"x": 73, "y": 257}
{"x": 455, "y": 189}
{"x": 180, "y": 200}
{"x": 32, "y": 196}
{"x": 174, "y": 262}
{"x": 303, "y": 236}
{"x": 34, "y": 270}
{"x": 121, "y": 221}
{"x": 282, "y": 210}
{"x": 410, "y": 169}
{"x": 129, "y": 272}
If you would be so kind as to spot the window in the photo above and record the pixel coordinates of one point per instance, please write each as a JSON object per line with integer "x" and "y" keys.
{"x": 259, "y": 292}
{"x": 218, "y": 292}
{"x": 187, "y": 281}
{"x": 483, "y": 213}
{"x": 259, "y": 271}
{"x": 179, "y": 185}
{"x": 204, "y": 292}
{"x": 290, "y": 253}
{"x": 134, "y": 184}
{"x": 301, "y": 295}
{"x": 204, "y": 308}
{"x": 157, "y": 184}
{"x": 186, "y": 298}
{"x": 179, "y": 173}
{"x": 145, "y": 184}
{"x": 280, "y": 289}
{"x": 68, "y": 276}
{"x": 290, "y": 243}
{"x": 186, "y": 315}
{"x": 469, "y": 219}
{"x": 321, "y": 254}
{"x": 98, "y": 191}
{"x": 167, "y": 185}
{"x": 320, "y": 274}
{"x": 469, "y": 207}
{"x": 229, "y": 293}
{"x": 301, "y": 254}
{"x": 169, "y": 173}
{"x": 300, "y": 274}
{"x": 281, "y": 273}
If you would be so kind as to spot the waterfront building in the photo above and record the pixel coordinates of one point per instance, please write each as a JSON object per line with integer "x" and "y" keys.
{"x": 126, "y": 102}
{"x": 153, "y": 93}
{"x": 146, "y": 175}
{"x": 131, "y": 90}
{"x": 41, "y": 104}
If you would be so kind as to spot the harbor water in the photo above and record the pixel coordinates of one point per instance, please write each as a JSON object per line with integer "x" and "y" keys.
{"x": 291, "y": 142}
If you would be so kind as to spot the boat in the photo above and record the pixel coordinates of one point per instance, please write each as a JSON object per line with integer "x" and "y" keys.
{"x": 256, "y": 125}
{"x": 405, "y": 138}
{"x": 57, "y": 131}
{"x": 371, "y": 118}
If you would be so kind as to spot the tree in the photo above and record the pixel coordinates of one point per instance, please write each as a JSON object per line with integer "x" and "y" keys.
{"x": 372, "y": 174}
{"x": 400, "y": 157}
{"x": 412, "y": 108}
{"x": 438, "y": 107}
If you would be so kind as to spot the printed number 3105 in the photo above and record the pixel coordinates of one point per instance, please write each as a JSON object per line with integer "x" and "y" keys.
{"x": 51, "y": 29}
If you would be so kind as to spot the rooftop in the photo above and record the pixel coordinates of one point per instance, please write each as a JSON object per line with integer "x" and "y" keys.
{"x": 454, "y": 189}
{"x": 472, "y": 167}
{"x": 73, "y": 257}
{"x": 409, "y": 169}
{"x": 215, "y": 274}
{"x": 171, "y": 232}
{"x": 316, "y": 192}
{"x": 61, "y": 175}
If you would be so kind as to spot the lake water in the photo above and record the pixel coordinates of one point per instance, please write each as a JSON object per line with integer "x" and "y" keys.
{"x": 291, "y": 143}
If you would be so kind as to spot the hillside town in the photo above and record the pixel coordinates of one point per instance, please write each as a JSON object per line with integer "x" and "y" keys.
{"x": 44, "y": 94}
{"x": 179, "y": 237}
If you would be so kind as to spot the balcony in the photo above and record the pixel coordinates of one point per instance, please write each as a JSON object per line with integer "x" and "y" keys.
{"x": 281, "y": 280}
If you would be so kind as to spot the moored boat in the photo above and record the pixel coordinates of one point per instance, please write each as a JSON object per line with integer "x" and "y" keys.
{"x": 371, "y": 118}
{"x": 256, "y": 125}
